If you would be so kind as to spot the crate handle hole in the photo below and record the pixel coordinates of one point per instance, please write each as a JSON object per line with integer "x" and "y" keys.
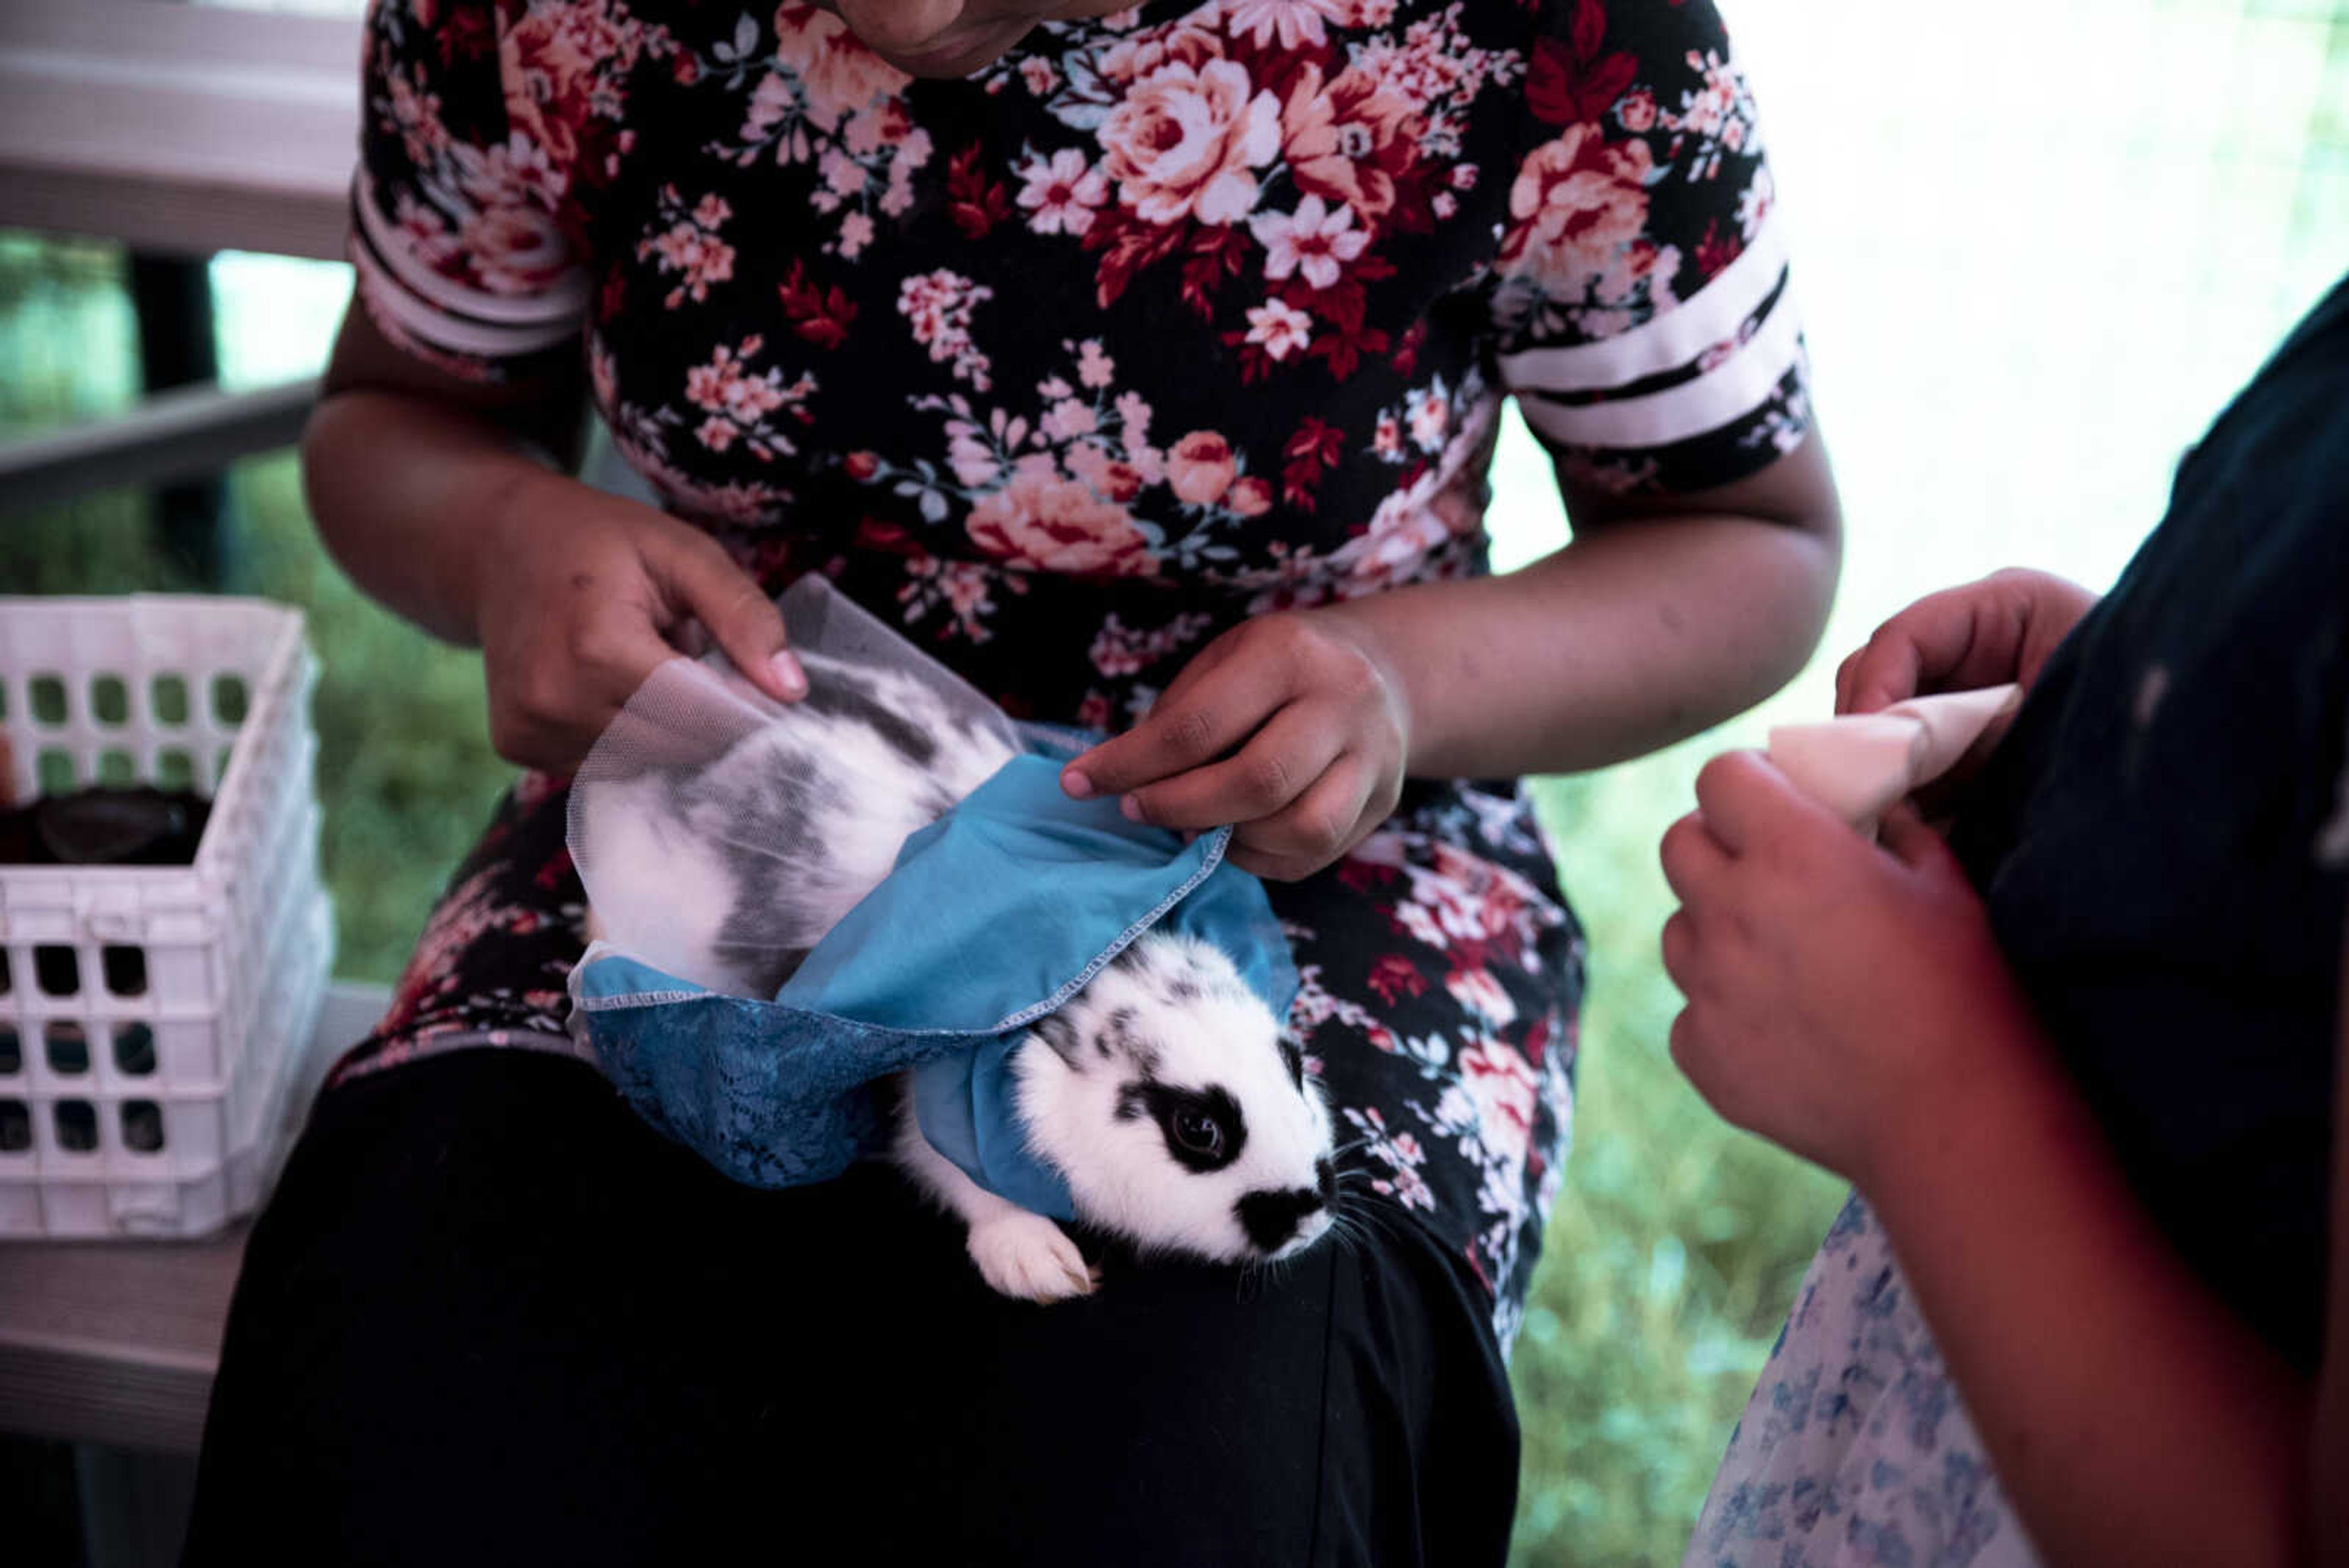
{"x": 134, "y": 1050}
{"x": 77, "y": 1125}
{"x": 231, "y": 699}
{"x": 16, "y": 1126}
{"x": 56, "y": 773}
{"x": 109, "y": 700}
{"x": 48, "y": 694}
{"x": 57, "y": 969}
{"x": 67, "y": 1045}
{"x": 142, "y": 1126}
{"x": 169, "y": 694}
{"x": 126, "y": 969}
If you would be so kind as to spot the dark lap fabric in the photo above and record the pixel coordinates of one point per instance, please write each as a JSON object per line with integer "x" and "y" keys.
{"x": 490, "y": 1317}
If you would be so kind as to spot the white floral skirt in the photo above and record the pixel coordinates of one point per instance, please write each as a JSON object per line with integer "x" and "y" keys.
{"x": 1855, "y": 1449}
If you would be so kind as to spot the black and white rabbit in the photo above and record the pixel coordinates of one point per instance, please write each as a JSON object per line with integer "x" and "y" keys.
{"x": 1165, "y": 1091}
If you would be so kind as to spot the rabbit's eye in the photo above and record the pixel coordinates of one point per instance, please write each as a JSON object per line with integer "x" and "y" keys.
{"x": 1198, "y": 1131}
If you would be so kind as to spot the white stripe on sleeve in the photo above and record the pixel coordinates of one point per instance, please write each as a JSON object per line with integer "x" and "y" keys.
{"x": 1736, "y": 387}
{"x": 1664, "y": 342}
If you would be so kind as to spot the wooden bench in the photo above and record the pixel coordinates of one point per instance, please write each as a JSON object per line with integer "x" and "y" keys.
{"x": 115, "y": 1343}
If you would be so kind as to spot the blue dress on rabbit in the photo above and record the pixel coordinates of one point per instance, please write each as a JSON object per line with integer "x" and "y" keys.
{"x": 2162, "y": 841}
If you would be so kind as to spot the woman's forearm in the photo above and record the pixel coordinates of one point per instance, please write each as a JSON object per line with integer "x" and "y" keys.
{"x": 407, "y": 497}
{"x": 2132, "y": 1416}
{"x": 1641, "y": 633}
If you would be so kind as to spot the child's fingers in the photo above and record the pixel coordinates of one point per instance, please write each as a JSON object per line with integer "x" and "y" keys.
{"x": 1220, "y": 709}
{"x": 1691, "y": 858}
{"x": 1281, "y": 761}
{"x": 1746, "y": 801}
{"x": 1678, "y": 944}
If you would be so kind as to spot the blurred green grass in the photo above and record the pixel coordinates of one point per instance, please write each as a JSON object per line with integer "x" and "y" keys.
{"x": 1676, "y": 1243}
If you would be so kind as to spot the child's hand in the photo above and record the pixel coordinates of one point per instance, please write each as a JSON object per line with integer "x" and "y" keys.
{"x": 1290, "y": 727}
{"x": 578, "y": 607}
{"x": 1987, "y": 633}
{"x": 1835, "y": 989}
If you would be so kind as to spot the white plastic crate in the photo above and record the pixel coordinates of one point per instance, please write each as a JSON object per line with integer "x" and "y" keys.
{"x": 152, "y": 1017}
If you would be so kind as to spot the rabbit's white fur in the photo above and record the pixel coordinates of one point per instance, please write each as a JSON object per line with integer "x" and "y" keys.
{"x": 1167, "y": 1050}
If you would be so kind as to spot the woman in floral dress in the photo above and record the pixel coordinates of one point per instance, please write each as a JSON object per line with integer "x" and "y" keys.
{"x": 1145, "y": 368}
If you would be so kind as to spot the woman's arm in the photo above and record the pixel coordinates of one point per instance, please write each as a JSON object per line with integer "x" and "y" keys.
{"x": 1854, "y": 1006}
{"x": 1661, "y": 618}
{"x": 440, "y": 497}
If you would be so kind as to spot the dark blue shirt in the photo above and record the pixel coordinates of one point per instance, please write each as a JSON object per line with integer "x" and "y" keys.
{"x": 2163, "y": 836}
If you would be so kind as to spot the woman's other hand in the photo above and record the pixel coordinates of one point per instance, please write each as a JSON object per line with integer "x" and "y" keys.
{"x": 1839, "y": 994}
{"x": 1292, "y": 728}
{"x": 583, "y": 595}
{"x": 1987, "y": 633}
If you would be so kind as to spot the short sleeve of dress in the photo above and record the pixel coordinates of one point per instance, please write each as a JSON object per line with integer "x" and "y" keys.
{"x": 456, "y": 222}
{"x": 1640, "y": 298}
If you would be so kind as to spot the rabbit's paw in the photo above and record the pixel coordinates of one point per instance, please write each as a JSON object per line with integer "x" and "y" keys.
{"x": 1026, "y": 1255}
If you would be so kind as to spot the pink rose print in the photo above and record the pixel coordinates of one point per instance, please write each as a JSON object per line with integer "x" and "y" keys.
{"x": 1060, "y": 526}
{"x": 1200, "y": 468}
{"x": 1249, "y": 496}
{"x": 1579, "y": 202}
{"x": 1185, "y": 143}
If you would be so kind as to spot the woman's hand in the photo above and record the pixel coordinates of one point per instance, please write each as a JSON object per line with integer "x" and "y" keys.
{"x": 1293, "y": 728}
{"x": 1838, "y": 994}
{"x": 581, "y": 595}
{"x": 1987, "y": 633}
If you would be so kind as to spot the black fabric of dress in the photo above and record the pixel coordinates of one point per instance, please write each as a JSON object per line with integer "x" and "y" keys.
{"x": 493, "y": 1318}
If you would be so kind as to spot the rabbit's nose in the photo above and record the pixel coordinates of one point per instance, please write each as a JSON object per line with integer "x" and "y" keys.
{"x": 1271, "y": 1219}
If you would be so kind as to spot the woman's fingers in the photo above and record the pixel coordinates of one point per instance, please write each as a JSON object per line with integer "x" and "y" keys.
{"x": 1295, "y": 748}
{"x": 1218, "y": 710}
{"x": 697, "y": 576}
{"x": 1316, "y": 829}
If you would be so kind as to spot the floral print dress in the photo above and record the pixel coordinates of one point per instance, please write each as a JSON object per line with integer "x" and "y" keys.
{"x": 1167, "y": 319}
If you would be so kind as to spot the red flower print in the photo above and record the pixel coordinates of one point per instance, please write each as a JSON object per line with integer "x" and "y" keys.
{"x": 973, "y": 205}
{"x": 1393, "y": 976}
{"x": 1312, "y": 449}
{"x": 1569, "y": 82}
{"x": 819, "y": 316}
